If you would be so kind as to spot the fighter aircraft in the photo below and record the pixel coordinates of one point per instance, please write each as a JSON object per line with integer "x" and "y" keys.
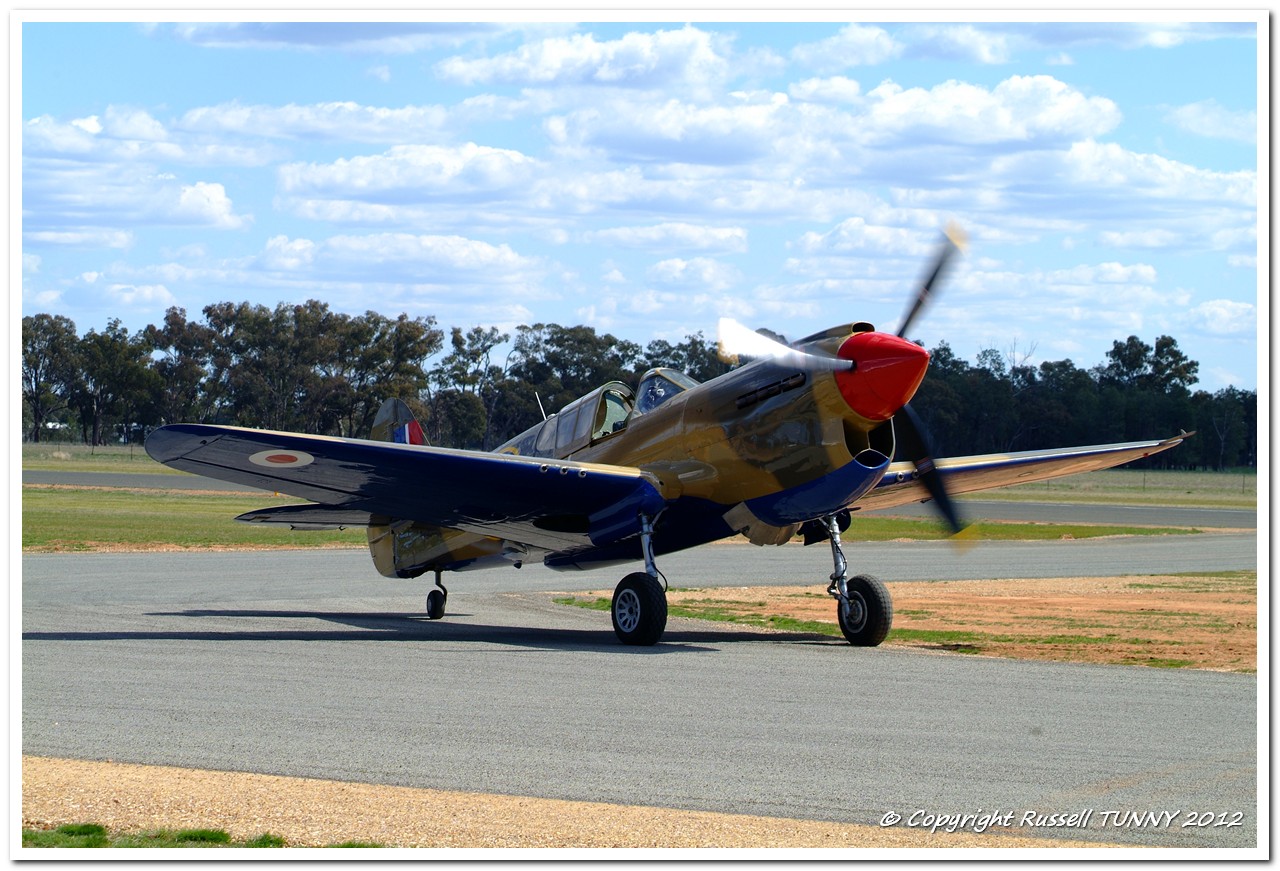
{"x": 791, "y": 443}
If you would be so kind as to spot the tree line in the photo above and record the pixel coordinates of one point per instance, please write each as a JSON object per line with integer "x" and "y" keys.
{"x": 307, "y": 368}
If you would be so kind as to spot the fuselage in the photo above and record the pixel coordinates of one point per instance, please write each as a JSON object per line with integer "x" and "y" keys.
{"x": 775, "y": 440}
{"x": 759, "y": 451}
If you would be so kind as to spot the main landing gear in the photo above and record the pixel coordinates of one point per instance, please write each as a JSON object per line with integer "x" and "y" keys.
{"x": 640, "y": 600}
{"x": 863, "y": 605}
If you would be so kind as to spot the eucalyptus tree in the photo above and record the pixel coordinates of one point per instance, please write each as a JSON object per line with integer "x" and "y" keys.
{"x": 117, "y": 383}
{"x": 50, "y": 367}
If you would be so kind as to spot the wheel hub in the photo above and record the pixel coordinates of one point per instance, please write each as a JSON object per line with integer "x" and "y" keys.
{"x": 627, "y": 610}
{"x": 854, "y": 610}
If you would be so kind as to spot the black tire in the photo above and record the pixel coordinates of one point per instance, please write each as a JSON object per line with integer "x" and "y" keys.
{"x": 435, "y": 605}
{"x": 867, "y": 616}
{"x": 639, "y": 609}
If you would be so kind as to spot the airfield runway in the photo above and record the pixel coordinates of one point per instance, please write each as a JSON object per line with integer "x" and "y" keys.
{"x": 307, "y": 663}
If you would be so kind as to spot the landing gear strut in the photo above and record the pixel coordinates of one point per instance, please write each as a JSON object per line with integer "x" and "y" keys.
{"x": 863, "y": 606}
{"x": 436, "y": 600}
{"x": 640, "y": 600}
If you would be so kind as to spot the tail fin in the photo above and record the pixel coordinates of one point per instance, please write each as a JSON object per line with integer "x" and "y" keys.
{"x": 394, "y": 422}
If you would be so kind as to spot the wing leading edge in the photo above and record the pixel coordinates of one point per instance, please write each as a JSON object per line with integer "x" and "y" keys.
{"x": 989, "y": 471}
{"x": 554, "y": 505}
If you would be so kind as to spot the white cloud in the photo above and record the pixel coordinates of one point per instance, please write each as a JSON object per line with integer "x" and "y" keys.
{"x": 836, "y": 89}
{"x": 645, "y": 60}
{"x": 1104, "y": 273}
{"x": 674, "y": 235}
{"x": 124, "y": 122}
{"x": 90, "y": 125}
{"x": 411, "y": 173}
{"x": 1226, "y": 317}
{"x": 341, "y": 120}
{"x": 702, "y": 272}
{"x": 857, "y": 235}
{"x": 853, "y": 45}
{"x": 1143, "y": 193}
{"x": 1019, "y": 109}
{"x": 146, "y": 294}
{"x": 456, "y": 253}
{"x": 746, "y": 128}
{"x": 130, "y": 136}
{"x": 207, "y": 203}
{"x": 82, "y": 237}
{"x": 288, "y": 254}
{"x": 1210, "y": 119}
{"x": 1111, "y": 165}
{"x": 1149, "y": 238}
{"x": 372, "y": 37}
{"x": 962, "y": 42}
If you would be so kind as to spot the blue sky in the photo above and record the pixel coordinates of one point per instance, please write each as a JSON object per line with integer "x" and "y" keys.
{"x": 650, "y": 177}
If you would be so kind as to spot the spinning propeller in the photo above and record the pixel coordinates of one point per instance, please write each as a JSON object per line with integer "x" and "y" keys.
{"x": 876, "y": 373}
{"x": 909, "y": 429}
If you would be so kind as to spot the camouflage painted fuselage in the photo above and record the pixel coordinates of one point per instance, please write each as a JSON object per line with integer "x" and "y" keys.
{"x": 757, "y": 451}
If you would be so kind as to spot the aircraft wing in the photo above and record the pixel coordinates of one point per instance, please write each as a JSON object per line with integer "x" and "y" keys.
{"x": 549, "y": 504}
{"x": 989, "y": 471}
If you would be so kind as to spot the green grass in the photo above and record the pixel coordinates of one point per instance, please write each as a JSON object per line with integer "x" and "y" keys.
{"x": 75, "y": 518}
{"x": 1158, "y": 662}
{"x": 874, "y": 528}
{"x": 85, "y": 519}
{"x": 93, "y": 835}
{"x": 65, "y": 457}
{"x": 1231, "y": 489}
{"x": 1235, "y": 489}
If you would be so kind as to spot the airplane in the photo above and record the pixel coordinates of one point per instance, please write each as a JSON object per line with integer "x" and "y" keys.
{"x": 792, "y": 442}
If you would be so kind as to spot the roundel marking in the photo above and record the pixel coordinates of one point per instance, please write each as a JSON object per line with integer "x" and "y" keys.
{"x": 281, "y": 459}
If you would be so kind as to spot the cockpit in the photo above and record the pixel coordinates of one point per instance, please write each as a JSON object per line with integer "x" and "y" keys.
{"x": 659, "y": 385}
{"x": 601, "y": 414}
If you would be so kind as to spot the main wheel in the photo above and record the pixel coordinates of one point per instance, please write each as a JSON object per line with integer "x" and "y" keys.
{"x": 435, "y": 605}
{"x": 639, "y": 609}
{"x": 867, "y": 615}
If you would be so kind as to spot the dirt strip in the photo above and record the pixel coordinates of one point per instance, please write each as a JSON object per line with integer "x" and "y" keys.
{"x": 135, "y": 798}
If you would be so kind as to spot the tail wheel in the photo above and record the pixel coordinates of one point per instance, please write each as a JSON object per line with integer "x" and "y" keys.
{"x": 435, "y": 605}
{"x": 866, "y": 615}
{"x": 639, "y": 609}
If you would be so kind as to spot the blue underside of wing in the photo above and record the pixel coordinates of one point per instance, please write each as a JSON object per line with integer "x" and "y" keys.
{"x": 544, "y": 504}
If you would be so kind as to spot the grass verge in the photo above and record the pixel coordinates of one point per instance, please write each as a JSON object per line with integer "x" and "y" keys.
{"x": 1230, "y": 489}
{"x": 84, "y": 519}
{"x": 1206, "y": 621}
{"x": 81, "y": 835}
{"x": 60, "y": 518}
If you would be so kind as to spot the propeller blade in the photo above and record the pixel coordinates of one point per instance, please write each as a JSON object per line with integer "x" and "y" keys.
{"x": 954, "y": 240}
{"x": 737, "y": 340}
{"x": 913, "y": 438}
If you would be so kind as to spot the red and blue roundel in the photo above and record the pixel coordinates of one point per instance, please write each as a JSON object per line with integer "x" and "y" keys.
{"x": 281, "y": 458}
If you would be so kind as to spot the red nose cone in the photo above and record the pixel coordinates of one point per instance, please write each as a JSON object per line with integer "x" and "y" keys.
{"x": 888, "y": 372}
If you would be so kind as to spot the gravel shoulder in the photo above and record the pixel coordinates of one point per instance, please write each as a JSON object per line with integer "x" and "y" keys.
{"x": 313, "y": 813}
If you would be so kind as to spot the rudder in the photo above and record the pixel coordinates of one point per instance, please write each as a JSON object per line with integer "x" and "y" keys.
{"x": 394, "y": 422}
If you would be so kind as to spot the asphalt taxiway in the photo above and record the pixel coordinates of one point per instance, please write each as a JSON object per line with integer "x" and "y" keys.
{"x": 307, "y": 663}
